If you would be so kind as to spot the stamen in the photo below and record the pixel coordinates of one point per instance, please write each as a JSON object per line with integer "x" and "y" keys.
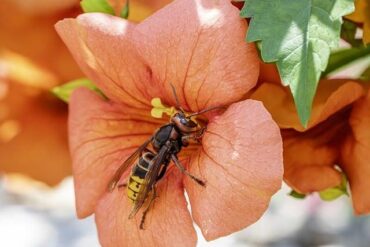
{"x": 159, "y": 109}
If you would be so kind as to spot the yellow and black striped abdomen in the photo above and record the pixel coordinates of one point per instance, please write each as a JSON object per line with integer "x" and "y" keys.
{"x": 138, "y": 173}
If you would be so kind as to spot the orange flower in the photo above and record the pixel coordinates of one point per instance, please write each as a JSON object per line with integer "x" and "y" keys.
{"x": 32, "y": 130}
{"x": 337, "y": 135}
{"x": 191, "y": 45}
{"x": 33, "y": 59}
{"x": 33, "y": 37}
{"x": 41, "y": 7}
{"x": 355, "y": 157}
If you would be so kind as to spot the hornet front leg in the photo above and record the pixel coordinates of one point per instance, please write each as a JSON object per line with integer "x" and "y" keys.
{"x": 196, "y": 136}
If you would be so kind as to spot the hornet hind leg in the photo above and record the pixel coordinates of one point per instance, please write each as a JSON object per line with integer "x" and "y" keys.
{"x": 154, "y": 195}
{"x": 184, "y": 171}
{"x": 121, "y": 186}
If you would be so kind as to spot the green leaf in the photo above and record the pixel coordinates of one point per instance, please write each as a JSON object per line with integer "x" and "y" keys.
{"x": 297, "y": 35}
{"x": 365, "y": 76}
{"x": 65, "y": 91}
{"x": 101, "y": 6}
{"x": 297, "y": 195}
{"x": 126, "y": 10}
{"x": 344, "y": 57}
{"x": 330, "y": 194}
{"x": 335, "y": 192}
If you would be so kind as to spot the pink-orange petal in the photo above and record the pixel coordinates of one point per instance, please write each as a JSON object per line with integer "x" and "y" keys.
{"x": 312, "y": 178}
{"x": 242, "y": 164}
{"x": 356, "y": 156}
{"x": 102, "y": 134}
{"x": 102, "y": 46}
{"x": 168, "y": 223}
{"x": 199, "y": 46}
{"x": 331, "y": 97}
{"x": 309, "y": 159}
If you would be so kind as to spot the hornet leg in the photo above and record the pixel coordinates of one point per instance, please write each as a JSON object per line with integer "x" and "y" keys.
{"x": 123, "y": 185}
{"x": 154, "y": 195}
{"x": 184, "y": 171}
{"x": 163, "y": 171}
{"x": 200, "y": 133}
{"x": 194, "y": 136}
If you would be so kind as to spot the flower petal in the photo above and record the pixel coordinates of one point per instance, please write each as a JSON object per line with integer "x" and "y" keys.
{"x": 269, "y": 73}
{"x": 33, "y": 128}
{"x": 43, "y": 7}
{"x": 102, "y": 134}
{"x": 168, "y": 223}
{"x": 40, "y": 47}
{"x": 309, "y": 161}
{"x": 356, "y": 157}
{"x": 199, "y": 46}
{"x": 312, "y": 178}
{"x": 331, "y": 96}
{"x": 101, "y": 44}
{"x": 208, "y": 62}
{"x": 310, "y": 157}
{"x": 241, "y": 162}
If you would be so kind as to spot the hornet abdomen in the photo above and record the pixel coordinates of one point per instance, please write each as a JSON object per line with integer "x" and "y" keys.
{"x": 138, "y": 173}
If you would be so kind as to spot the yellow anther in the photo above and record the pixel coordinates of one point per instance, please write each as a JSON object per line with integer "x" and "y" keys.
{"x": 158, "y": 109}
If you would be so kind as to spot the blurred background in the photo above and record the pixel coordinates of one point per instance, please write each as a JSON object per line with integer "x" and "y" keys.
{"x": 35, "y": 215}
{"x": 36, "y": 190}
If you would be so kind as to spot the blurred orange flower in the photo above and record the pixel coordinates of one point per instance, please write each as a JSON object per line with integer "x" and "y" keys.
{"x": 33, "y": 59}
{"x": 34, "y": 38}
{"x": 33, "y": 134}
{"x": 40, "y": 7}
{"x": 335, "y": 137}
